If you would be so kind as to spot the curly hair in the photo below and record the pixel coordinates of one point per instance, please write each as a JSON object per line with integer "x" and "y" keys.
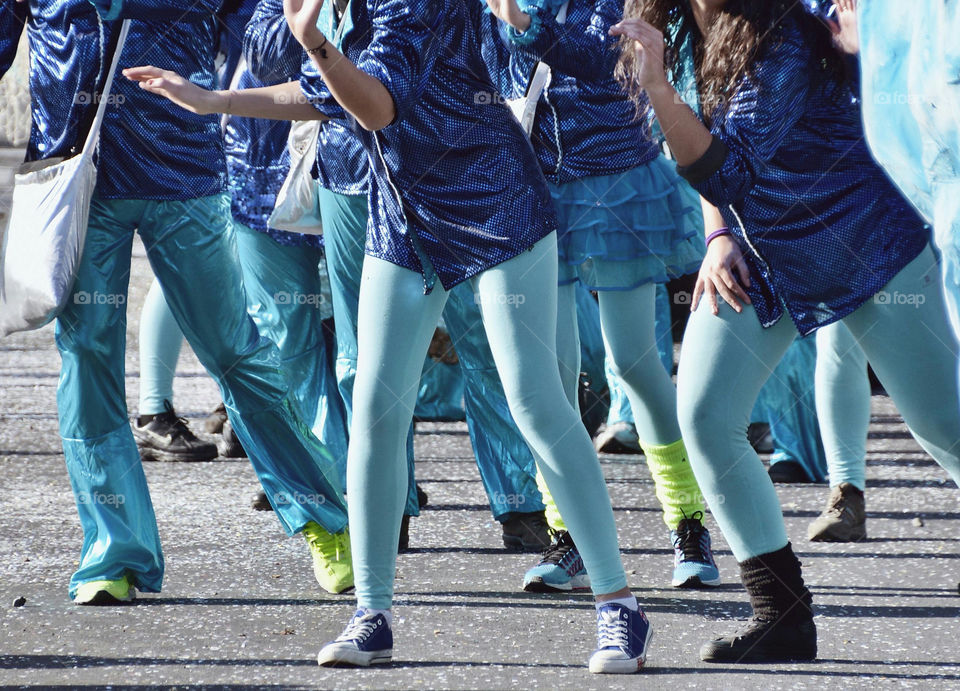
{"x": 724, "y": 55}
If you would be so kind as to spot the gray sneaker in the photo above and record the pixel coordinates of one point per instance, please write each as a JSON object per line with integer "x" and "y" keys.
{"x": 844, "y": 519}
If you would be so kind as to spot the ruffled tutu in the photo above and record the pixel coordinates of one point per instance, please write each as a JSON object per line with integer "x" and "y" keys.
{"x": 621, "y": 231}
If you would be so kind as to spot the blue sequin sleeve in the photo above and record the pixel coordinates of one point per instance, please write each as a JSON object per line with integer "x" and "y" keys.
{"x": 403, "y": 49}
{"x": 271, "y": 51}
{"x": 586, "y": 53}
{"x": 12, "y": 16}
{"x": 758, "y": 118}
{"x": 157, "y": 10}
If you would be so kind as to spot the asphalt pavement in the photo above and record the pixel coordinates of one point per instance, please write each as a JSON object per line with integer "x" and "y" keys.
{"x": 240, "y": 608}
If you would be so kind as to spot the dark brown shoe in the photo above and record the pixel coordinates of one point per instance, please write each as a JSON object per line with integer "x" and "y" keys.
{"x": 844, "y": 519}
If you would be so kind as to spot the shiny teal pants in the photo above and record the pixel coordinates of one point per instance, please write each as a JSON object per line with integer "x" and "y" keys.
{"x": 192, "y": 249}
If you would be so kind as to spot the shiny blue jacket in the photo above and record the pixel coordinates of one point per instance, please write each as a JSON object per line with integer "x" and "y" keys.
{"x": 149, "y": 148}
{"x": 257, "y": 156}
{"x": 585, "y": 124}
{"x": 455, "y": 187}
{"x": 821, "y": 226}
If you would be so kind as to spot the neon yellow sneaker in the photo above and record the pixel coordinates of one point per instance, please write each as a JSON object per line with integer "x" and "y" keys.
{"x": 332, "y": 563}
{"x": 105, "y": 592}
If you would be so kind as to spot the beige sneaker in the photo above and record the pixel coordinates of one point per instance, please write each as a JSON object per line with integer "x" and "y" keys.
{"x": 844, "y": 519}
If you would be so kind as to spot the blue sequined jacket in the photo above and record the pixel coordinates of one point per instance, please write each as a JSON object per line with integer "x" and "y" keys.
{"x": 455, "y": 186}
{"x": 149, "y": 149}
{"x": 585, "y": 124}
{"x": 821, "y": 226}
{"x": 257, "y": 156}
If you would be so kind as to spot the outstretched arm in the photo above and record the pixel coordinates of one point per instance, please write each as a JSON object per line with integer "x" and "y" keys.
{"x": 279, "y": 102}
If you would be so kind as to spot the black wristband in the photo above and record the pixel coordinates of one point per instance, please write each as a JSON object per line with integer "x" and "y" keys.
{"x": 706, "y": 165}
{"x": 321, "y": 49}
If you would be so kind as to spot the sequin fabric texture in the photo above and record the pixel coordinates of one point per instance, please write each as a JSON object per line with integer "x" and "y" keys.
{"x": 821, "y": 226}
{"x": 148, "y": 148}
{"x": 455, "y": 186}
{"x": 585, "y": 123}
{"x": 256, "y": 148}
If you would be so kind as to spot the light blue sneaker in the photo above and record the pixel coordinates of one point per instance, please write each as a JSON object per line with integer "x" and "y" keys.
{"x": 367, "y": 640}
{"x": 693, "y": 564}
{"x": 560, "y": 569}
{"x": 623, "y": 637}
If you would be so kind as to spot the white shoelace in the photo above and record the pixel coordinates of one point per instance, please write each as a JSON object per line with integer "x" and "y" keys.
{"x": 359, "y": 629}
{"x": 612, "y": 631}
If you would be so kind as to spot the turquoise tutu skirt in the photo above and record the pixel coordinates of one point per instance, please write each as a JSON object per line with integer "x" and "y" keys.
{"x": 621, "y": 231}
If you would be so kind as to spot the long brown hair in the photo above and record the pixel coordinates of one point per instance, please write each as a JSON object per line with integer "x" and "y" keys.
{"x": 723, "y": 57}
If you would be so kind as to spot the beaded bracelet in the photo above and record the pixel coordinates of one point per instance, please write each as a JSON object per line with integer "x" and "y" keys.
{"x": 717, "y": 233}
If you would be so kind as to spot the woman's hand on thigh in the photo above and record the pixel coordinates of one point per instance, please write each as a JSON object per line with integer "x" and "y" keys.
{"x": 722, "y": 266}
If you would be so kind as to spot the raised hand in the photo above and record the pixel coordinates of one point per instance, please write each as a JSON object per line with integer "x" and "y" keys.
{"x": 302, "y": 18}
{"x": 846, "y": 33}
{"x": 510, "y": 12}
{"x": 649, "y": 46}
{"x": 181, "y": 91}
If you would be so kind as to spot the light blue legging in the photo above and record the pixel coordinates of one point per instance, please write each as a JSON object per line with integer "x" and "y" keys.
{"x": 843, "y": 404}
{"x": 160, "y": 343}
{"x": 396, "y": 322}
{"x": 726, "y": 359}
{"x": 627, "y": 320}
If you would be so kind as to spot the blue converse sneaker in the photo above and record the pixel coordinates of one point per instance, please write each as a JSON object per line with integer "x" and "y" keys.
{"x": 622, "y": 639}
{"x": 693, "y": 564}
{"x": 367, "y": 640}
{"x": 560, "y": 569}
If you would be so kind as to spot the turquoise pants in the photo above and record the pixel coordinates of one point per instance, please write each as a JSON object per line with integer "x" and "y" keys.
{"x": 396, "y": 321}
{"x": 192, "y": 249}
{"x": 727, "y": 358}
{"x": 505, "y": 463}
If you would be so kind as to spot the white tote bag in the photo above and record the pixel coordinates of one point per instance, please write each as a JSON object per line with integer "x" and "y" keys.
{"x": 41, "y": 246}
{"x": 297, "y": 208}
{"x": 525, "y": 108}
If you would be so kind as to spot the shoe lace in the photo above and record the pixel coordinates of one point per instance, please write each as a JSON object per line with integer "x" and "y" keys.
{"x": 359, "y": 629}
{"x": 689, "y": 541}
{"x": 178, "y": 425}
{"x": 612, "y": 633}
{"x": 555, "y": 553}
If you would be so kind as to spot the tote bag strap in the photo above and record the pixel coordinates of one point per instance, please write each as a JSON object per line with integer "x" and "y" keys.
{"x": 93, "y": 136}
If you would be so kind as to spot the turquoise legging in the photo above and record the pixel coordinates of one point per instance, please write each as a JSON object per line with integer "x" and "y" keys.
{"x": 843, "y": 404}
{"x": 396, "y": 321}
{"x": 627, "y": 320}
{"x": 726, "y": 359}
{"x": 160, "y": 343}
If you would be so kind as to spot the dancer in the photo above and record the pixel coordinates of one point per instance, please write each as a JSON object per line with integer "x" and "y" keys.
{"x": 407, "y": 75}
{"x": 503, "y": 459}
{"x": 784, "y": 162}
{"x": 163, "y": 176}
{"x": 627, "y": 222}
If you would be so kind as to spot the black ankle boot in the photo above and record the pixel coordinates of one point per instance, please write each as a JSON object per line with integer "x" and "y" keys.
{"x": 781, "y": 628}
